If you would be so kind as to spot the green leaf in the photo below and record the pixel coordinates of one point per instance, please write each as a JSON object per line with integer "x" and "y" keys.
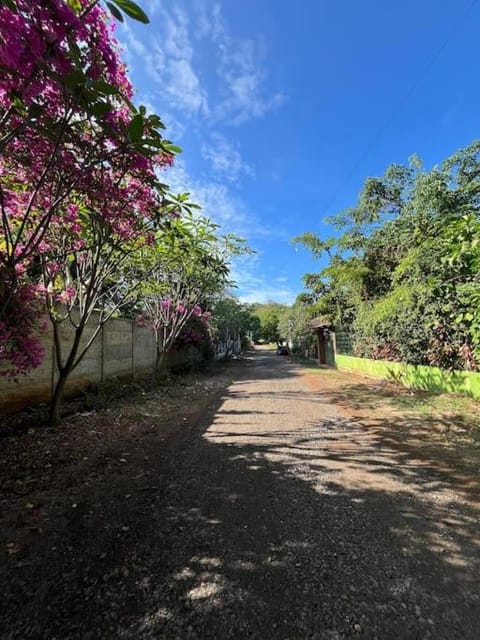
{"x": 135, "y": 128}
{"x": 132, "y": 10}
{"x": 101, "y": 108}
{"x": 76, "y": 5}
{"x": 155, "y": 121}
{"x": 20, "y": 106}
{"x": 11, "y": 4}
{"x": 114, "y": 11}
{"x": 154, "y": 142}
{"x": 105, "y": 87}
{"x": 171, "y": 148}
{"x": 74, "y": 79}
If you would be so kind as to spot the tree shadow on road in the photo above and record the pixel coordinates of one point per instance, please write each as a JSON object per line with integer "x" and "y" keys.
{"x": 264, "y": 543}
{"x": 258, "y": 535}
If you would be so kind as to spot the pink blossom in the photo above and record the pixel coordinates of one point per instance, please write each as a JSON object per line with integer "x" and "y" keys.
{"x": 81, "y": 190}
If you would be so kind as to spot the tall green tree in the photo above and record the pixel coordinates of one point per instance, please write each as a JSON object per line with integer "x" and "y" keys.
{"x": 403, "y": 274}
{"x": 185, "y": 267}
{"x": 232, "y": 321}
{"x": 269, "y": 315}
{"x": 294, "y": 326}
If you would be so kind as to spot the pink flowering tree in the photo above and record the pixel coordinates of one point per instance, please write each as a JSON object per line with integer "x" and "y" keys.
{"x": 79, "y": 191}
{"x": 67, "y": 127}
{"x": 87, "y": 277}
{"x": 168, "y": 319}
{"x": 188, "y": 265}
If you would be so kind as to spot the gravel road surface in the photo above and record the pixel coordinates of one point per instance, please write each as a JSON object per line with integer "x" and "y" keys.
{"x": 277, "y": 517}
{"x": 283, "y": 520}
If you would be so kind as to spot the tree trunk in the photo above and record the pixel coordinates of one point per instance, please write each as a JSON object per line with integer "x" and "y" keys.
{"x": 63, "y": 371}
{"x": 57, "y": 397}
{"x": 160, "y": 365}
{"x": 160, "y": 361}
{"x": 229, "y": 348}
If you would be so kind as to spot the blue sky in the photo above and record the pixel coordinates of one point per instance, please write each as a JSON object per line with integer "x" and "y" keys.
{"x": 282, "y": 109}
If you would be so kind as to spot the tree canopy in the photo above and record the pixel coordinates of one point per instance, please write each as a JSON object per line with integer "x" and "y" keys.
{"x": 403, "y": 275}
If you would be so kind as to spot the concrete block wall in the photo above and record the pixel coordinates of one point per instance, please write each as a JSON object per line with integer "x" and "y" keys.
{"x": 120, "y": 349}
{"x": 144, "y": 350}
{"x": 35, "y": 388}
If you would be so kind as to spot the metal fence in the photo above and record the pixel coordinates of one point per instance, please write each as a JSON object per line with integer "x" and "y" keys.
{"x": 344, "y": 342}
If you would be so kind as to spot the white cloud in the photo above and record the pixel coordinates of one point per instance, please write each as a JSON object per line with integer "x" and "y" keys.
{"x": 132, "y": 44}
{"x": 182, "y": 85}
{"x": 176, "y": 36}
{"x": 175, "y": 128}
{"x": 217, "y": 202}
{"x": 254, "y": 287}
{"x": 183, "y": 43}
{"x": 242, "y": 76}
{"x": 152, "y": 7}
{"x": 225, "y": 158}
{"x": 221, "y": 205}
{"x": 168, "y": 59}
{"x": 268, "y": 294}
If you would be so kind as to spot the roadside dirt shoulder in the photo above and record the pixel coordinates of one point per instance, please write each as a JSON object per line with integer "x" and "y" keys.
{"x": 74, "y": 499}
{"x": 440, "y": 431}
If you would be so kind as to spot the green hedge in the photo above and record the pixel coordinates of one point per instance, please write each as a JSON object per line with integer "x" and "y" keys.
{"x": 415, "y": 376}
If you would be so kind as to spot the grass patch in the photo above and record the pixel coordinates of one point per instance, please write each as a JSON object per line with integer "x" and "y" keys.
{"x": 454, "y": 415}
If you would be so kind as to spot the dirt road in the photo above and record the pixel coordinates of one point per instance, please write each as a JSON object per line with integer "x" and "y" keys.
{"x": 274, "y": 516}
